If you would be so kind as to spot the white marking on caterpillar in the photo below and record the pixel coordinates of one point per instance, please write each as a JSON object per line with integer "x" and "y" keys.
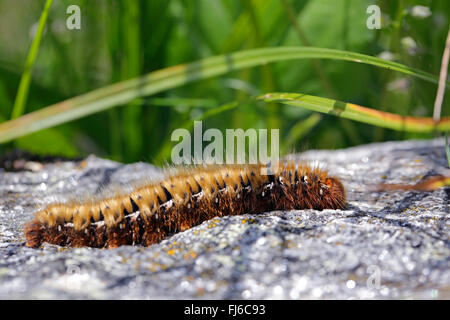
{"x": 305, "y": 179}
{"x": 100, "y": 223}
{"x": 167, "y": 204}
{"x": 198, "y": 196}
{"x": 269, "y": 186}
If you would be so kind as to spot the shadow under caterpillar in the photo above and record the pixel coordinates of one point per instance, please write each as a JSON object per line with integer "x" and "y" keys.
{"x": 182, "y": 200}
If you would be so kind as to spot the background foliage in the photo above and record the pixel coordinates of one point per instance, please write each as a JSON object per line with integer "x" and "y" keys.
{"x": 122, "y": 39}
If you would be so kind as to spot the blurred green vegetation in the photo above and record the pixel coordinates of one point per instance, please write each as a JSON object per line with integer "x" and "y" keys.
{"x": 119, "y": 40}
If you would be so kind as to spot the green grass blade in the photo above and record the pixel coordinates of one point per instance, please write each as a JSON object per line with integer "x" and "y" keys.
{"x": 132, "y": 127}
{"x": 188, "y": 125}
{"x": 168, "y": 78}
{"x": 24, "y": 85}
{"x": 179, "y": 102}
{"x": 299, "y": 130}
{"x": 359, "y": 113}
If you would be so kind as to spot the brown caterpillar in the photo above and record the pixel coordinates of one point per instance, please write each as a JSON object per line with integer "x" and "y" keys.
{"x": 182, "y": 200}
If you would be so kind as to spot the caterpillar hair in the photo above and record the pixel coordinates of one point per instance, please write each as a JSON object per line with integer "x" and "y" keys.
{"x": 184, "y": 199}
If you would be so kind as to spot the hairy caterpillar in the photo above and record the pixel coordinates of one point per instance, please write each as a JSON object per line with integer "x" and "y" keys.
{"x": 182, "y": 200}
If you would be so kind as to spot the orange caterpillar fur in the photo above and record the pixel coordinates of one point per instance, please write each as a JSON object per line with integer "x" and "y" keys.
{"x": 183, "y": 200}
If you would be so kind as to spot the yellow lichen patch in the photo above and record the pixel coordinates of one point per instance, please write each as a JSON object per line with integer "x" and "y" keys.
{"x": 81, "y": 165}
{"x": 190, "y": 255}
{"x": 249, "y": 220}
{"x": 412, "y": 210}
{"x": 156, "y": 267}
{"x": 213, "y": 223}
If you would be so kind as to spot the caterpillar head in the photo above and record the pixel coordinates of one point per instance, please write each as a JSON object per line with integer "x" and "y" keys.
{"x": 332, "y": 193}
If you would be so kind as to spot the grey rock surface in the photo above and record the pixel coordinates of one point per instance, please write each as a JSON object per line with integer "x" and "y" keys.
{"x": 382, "y": 245}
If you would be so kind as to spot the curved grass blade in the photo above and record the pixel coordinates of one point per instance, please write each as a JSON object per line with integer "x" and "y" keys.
{"x": 168, "y": 78}
{"x": 359, "y": 113}
{"x": 299, "y": 130}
